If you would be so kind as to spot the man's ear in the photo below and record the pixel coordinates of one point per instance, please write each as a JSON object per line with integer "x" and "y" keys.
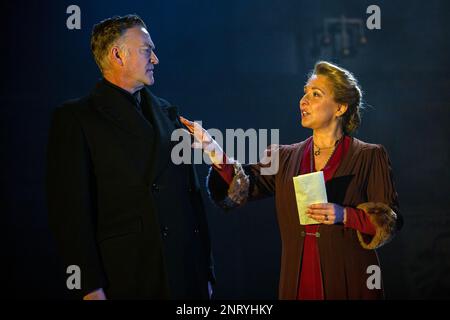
{"x": 342, "y": 108}
{"x": 116, "y": 56}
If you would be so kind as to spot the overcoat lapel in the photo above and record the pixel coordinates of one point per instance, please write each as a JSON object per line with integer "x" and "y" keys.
{"x": 115, "y": 107}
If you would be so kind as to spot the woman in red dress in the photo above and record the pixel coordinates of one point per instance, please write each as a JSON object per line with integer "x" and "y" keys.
{"x": 335, "y": 258}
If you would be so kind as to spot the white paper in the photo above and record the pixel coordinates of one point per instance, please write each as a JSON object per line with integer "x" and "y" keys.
{"x": 309, "y": 189}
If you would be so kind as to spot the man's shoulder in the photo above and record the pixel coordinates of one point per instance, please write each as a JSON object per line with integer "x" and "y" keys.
{"x": 74, "y": 106}
{"x": 160, "y": 102}
{"x": 75, "y": 103}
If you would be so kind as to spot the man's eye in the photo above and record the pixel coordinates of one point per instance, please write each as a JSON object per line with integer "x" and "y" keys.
{"x": 147, "y": 51}
{"x": 316, "y": 94}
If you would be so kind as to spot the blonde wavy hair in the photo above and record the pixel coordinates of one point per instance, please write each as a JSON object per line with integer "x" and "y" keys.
{"x": 346, "y": 90}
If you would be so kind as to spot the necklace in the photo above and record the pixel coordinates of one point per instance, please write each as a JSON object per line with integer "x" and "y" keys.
{"x": 317, "y": 152}
{"x": 331, "y": 155}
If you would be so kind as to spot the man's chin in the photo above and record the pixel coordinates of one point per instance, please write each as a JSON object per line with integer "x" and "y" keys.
{"x": 149, "y": 81}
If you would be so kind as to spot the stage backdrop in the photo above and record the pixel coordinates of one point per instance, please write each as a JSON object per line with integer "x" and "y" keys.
{"x": 240, "y": 64}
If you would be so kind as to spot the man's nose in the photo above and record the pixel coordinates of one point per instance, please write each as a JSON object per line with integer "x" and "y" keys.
{"x": 154, "y": 59}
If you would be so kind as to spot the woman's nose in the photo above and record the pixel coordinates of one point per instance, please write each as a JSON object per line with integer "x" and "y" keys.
{"x": 303, "y": 100}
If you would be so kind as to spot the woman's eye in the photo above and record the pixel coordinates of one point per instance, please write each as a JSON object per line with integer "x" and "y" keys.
{"x": 316, "y": 94}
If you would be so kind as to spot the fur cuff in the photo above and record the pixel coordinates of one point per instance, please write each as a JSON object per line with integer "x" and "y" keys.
{"x": 238, "y": 190}
{"x": 383, "y": 219}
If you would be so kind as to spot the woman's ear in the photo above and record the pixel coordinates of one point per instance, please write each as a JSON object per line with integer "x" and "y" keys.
{"x": 342, "y": 108}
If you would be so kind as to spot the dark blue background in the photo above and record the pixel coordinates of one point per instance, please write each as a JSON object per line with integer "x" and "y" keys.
{"x": 238, "y": 64}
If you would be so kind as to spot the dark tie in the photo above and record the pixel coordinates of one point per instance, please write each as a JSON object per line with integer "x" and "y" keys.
{"x": 137, "y": 98}
{"x": 142, "y": 107}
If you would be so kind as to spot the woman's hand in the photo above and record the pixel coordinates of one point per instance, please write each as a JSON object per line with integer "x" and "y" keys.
{"x": 327, "y": 213}
{"x": 204, "y": 141}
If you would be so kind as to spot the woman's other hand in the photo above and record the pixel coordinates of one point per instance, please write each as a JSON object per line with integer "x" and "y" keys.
{"x": 327, "y": 213}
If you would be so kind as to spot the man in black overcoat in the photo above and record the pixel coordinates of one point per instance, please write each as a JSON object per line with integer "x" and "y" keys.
{"x": 121, "y": 211}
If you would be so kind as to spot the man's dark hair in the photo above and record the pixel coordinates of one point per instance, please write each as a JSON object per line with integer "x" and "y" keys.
{"x": 106, "y": 32}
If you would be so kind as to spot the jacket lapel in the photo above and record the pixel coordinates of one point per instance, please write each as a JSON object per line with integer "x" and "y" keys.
{"x": 163, "y": 129}
{"x": 115, "y": 107}
{"x": 349, "y": 159}
{"x": 298, "y": 155}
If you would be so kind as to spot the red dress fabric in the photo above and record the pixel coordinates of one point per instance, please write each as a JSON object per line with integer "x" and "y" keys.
{"x": 310, "y": 281}
{"x": 226, "y": 170}
{"x": 359, "y": 220}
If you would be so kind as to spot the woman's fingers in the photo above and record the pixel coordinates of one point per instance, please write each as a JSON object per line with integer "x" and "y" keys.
{"x": 322, "y": 212}
{"x": 325, "y": 219}
{"x": 195, "y": 129}
{"x": 318, "y": 216}
{"x": 189, "y": 125}
{"x": 187, "y": 131}
{"x": 321, "y": 215}
{"x": 185, "y": 121}
{"x": 203, "y": 140}
{"x": 319, "y": 211}
{"x": 320, "y": 205}
{"x": 197, "y": 145}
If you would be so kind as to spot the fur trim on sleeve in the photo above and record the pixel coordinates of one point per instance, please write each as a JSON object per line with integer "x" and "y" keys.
{"x": 234, "y": 195}
{"x": 383, "y": 219}
{"x": 239, "y": 187}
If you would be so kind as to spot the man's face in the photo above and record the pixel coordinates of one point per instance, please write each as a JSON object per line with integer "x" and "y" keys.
{"x": 139, "y": 62}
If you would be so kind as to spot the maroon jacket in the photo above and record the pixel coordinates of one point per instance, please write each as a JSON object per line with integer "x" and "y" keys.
{"x": 363, "y": 180}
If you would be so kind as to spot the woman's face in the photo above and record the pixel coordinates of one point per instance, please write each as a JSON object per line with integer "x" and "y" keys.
{"x": 317, "y": 106}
